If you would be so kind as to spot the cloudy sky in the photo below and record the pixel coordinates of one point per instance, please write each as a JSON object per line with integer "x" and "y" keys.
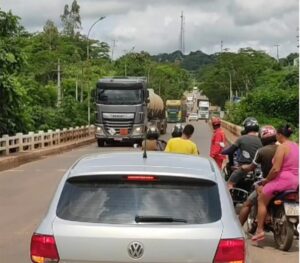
{"x": 154, "y": 25}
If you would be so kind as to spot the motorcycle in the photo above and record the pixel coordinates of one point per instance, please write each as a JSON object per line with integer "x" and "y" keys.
{"x": 282, "y": 219}
{"x": 242, "y": 190}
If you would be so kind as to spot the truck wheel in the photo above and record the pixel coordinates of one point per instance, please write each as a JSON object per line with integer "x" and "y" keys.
{"x": 100, "y": 142}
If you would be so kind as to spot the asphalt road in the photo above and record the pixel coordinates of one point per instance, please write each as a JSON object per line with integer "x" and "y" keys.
{"x": 26, "y": 191}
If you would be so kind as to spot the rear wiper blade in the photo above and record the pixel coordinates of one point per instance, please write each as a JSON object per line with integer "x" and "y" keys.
{"x": 158, "y": 219}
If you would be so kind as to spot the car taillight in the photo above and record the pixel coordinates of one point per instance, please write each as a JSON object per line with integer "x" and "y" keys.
{"x": 231, "y": 251}
{"x": 43, "y": 249}
{"x": 145, "y": 178}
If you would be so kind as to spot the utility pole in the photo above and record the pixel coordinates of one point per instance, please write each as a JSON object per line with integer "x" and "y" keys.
{"x": 113, "y": 49}
{"x": 277, "y": 47}
{"x": 81, "y": 85}
{"x": 126, "y": 53}
{"x": 88, "y": 64}
{"x": 230, "y": 87}
{"x": 297, "y": 37}
{"x": 182, "y": 42}
{"x": 58, "y": 84}
{"x": 76, "y": 86}
{"x": 221, "y": 46}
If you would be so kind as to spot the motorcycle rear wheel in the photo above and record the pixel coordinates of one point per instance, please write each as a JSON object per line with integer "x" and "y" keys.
{"x": 283, "y": 230}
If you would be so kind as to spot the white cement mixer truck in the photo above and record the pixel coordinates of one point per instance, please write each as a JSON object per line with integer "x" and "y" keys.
{"x": 124, "y": 108}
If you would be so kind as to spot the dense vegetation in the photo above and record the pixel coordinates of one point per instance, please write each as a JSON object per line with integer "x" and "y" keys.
{"x": 194, "y": 61}
{"x": 29, "y": 74}
{"x": 268, "y": 89}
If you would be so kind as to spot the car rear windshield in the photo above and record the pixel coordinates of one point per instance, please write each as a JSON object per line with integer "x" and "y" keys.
{"x": 122, "y": 202}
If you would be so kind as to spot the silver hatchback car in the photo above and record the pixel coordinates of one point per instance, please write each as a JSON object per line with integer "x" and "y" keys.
{"x": 123, "y": 208}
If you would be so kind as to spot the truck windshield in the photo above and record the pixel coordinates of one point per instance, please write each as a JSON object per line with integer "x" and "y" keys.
{"x": 171, "y": 108}
{"x": 119, "y": 97}
{"x": 203, "y": 108}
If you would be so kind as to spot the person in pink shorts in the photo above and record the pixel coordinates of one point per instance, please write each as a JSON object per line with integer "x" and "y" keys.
{"x": 283, "y": 176}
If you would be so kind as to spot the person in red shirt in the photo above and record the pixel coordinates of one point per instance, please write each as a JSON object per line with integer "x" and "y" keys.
{"x": 218, "y": 141}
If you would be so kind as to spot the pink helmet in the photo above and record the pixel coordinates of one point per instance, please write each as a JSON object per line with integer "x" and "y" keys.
{"x": 267, "y": 131}
{"x": 267, "y": 135}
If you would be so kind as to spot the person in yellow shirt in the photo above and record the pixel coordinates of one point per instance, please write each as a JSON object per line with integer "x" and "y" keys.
{"x": 183, "y": 144}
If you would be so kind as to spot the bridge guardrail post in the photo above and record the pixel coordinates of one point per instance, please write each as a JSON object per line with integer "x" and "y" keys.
{"x": 50, "y": 137}
{"x": 6, "y": 144}
{"x": 19, "y": 142}
{"x": 41, "y": 139}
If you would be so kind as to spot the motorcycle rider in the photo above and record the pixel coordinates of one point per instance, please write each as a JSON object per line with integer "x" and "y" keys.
{"x": 177, "y": 130}
{"x": 218, "y": 141}
{"x": 247, "y": 145}
{"x": 152, "y": 143}
{"x": 263, "y": 157}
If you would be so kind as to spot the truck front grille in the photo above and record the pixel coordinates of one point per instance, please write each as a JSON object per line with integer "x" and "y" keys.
{"x": 118, "y": 124}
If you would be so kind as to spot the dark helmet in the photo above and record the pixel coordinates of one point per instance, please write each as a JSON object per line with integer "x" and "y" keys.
{"x": 267, "y": 135}
{"x": 152, "y": 133}
{"x": 250, "y": 125}
{"x": 177, "y": 130}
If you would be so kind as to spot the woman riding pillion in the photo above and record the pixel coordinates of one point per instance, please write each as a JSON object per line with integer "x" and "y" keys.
{"x": 284, "y": 175}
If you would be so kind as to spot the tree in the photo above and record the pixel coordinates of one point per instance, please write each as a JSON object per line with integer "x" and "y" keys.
{"x": 12, "y": 95}
{"x": 242, "y": 68}
{"x": 71, "y": 19}
{"x": 50, "y": 34}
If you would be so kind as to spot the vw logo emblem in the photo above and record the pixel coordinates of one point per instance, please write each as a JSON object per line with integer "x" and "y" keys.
{"x": 135, "y": 250}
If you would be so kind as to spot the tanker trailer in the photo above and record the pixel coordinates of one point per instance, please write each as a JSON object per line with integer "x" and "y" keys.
{"x": 156, "y": 112}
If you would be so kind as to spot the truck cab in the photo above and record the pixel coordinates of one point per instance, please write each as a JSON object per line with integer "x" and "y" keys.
{"x": 121, "y": 109}
{"x": 203, "y": 110}
{"x": 174, "y": 111}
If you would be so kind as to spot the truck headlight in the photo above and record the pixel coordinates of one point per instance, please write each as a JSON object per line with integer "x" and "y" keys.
{"x": 99, "y": 130}
{"x": 137, "y": 130}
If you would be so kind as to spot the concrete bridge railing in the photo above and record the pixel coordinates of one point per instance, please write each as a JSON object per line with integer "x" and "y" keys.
{"x": 41, "y": 140}
{"x": 232, "y": 131}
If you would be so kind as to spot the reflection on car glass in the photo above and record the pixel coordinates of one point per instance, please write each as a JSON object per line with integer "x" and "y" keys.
{"x": 121, "y": 203}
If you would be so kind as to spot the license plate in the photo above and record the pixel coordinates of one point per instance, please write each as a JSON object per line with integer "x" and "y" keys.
{"x": 123, "y": 131}
{"x": 118, "y": 139}
{"x": 291, "y": 209}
